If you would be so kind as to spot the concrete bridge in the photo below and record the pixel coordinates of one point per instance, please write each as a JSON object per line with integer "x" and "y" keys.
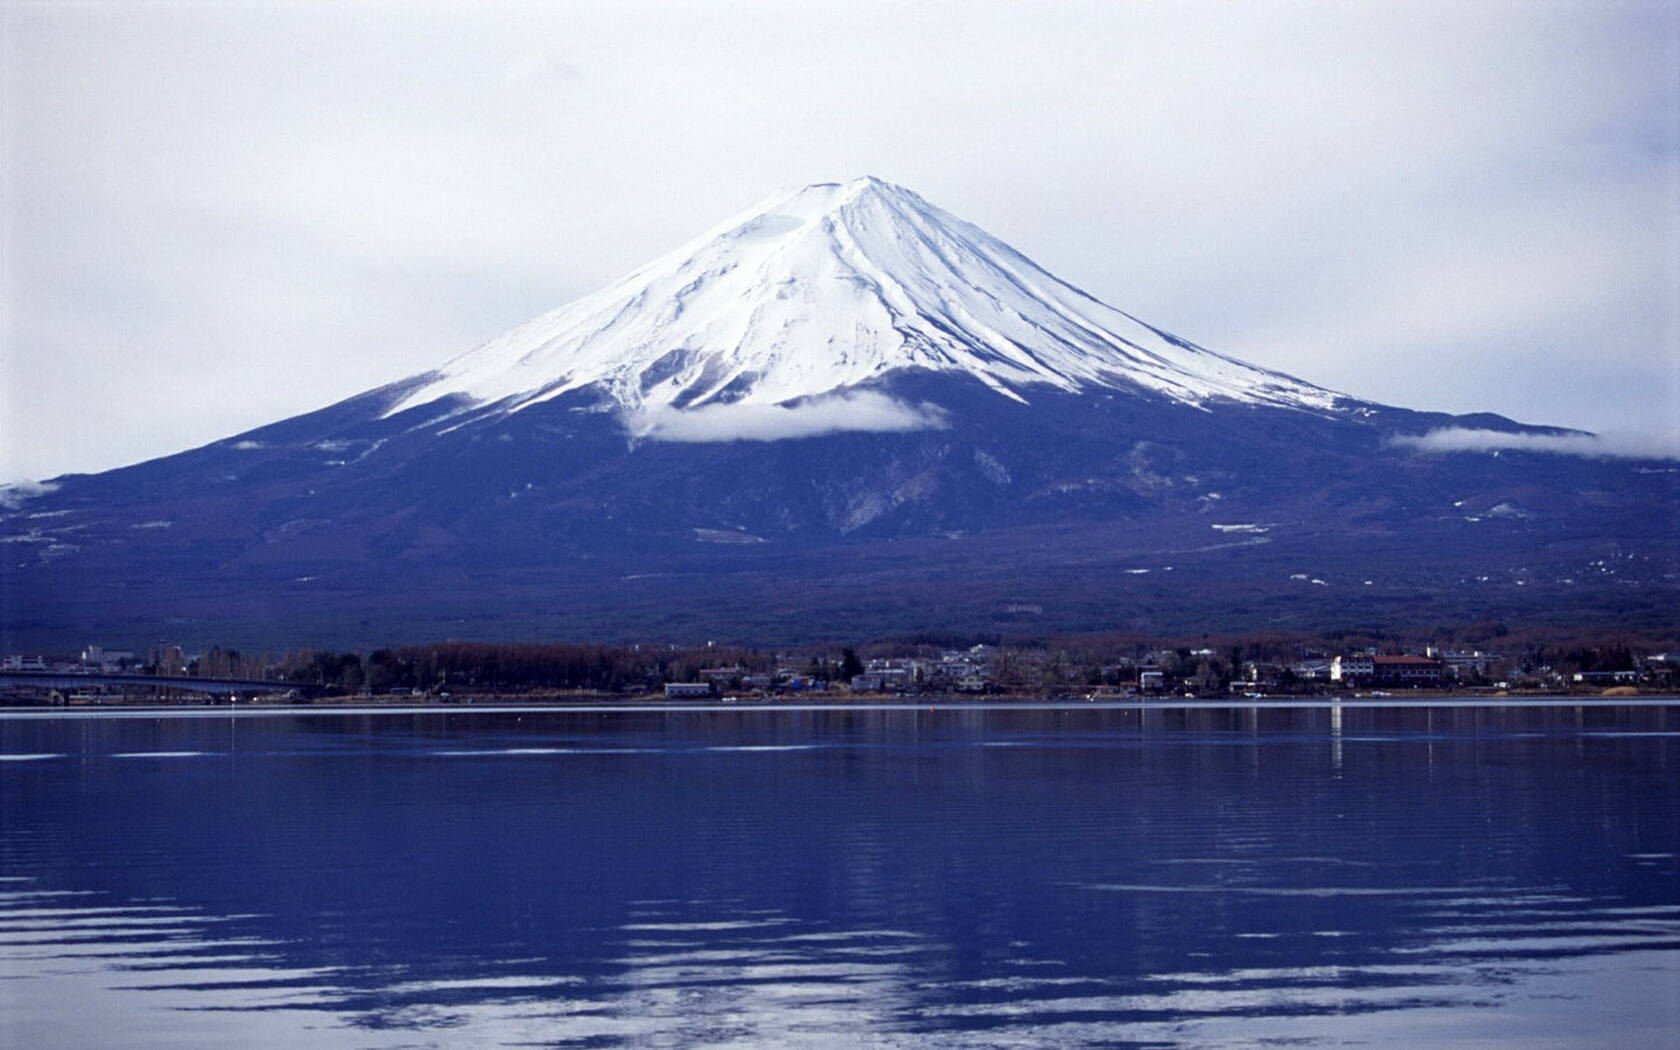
{"x": 221, "y": 686}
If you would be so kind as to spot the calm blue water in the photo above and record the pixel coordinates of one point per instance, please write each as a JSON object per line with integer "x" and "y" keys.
{"x": 1452, "y": 877}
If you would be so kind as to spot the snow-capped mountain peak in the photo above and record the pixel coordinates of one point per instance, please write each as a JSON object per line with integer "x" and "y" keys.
{"x": 824, "y": 288}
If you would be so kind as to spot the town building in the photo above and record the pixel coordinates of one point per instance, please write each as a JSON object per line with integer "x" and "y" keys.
{"x": 1465, "y": 664}
{"x": 1606, "y": 677}
{"x": 1401, "y": 669}
{"x": 107, "y": 659}
{"x": 1260, "y": 675}
{"x": 722, "y": 677}
{"x": 1406, "y": 670}
{"x": 169, "y": 659}
{"x": 1312, "y": 669}
{"x": 688, "y": 690}
{"x": 1356, "y": 667}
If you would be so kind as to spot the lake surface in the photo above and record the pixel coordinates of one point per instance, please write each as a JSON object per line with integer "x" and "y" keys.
{"x": 1446, "y": 876}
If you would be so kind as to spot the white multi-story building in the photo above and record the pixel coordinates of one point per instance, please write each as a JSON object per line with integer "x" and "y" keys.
{"x": 1349, "y": 668}
{"x": 99, "y": 656}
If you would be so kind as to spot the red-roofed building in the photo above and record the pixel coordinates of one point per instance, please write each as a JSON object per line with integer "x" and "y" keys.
{"x": 1396, "y": 669}
{"x": 1407, "y": 670}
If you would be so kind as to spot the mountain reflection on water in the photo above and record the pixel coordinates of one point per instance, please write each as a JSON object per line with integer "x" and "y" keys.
{"x": 1446, "y": 876}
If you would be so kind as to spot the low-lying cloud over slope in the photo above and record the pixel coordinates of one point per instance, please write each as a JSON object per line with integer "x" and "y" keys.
{"x": 863, "y": 410}
{"x": 1653, "y": 444}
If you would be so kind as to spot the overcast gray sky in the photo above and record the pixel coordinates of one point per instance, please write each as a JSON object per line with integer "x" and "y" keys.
{"x": 220, "y": 215}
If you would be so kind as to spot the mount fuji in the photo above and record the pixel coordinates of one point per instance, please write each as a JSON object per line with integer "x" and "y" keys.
{"x": 829, "y": 288}
{"x": 842, "y": 413}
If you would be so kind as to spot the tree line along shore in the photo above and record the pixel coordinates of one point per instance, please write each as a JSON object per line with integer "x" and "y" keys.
{"x": 1478, "y": 659}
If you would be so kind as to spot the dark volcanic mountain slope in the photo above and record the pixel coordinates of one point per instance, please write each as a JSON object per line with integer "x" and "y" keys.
{"x": 964, "y": 443}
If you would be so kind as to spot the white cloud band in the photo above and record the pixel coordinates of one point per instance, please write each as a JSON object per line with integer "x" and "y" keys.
{"x": 861, "y": 411}
{"x": 1611, "y": 445}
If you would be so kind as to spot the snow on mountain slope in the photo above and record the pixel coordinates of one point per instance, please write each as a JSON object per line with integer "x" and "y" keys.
{"x": 827, "y": 287}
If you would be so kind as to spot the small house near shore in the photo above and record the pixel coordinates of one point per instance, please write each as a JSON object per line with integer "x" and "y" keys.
{"x": 688, "y": 690}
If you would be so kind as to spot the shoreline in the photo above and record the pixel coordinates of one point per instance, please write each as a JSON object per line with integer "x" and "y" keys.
{"x": 815, "y": 698}
{"x": 714, "y": 707}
